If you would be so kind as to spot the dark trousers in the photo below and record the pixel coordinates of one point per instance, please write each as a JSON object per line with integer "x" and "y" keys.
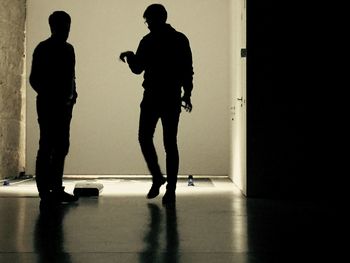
{"x": 170, "y": 119}
{"x": 54, "y": 123}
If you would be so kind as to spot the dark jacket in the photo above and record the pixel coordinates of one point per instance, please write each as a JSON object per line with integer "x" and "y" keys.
{"x": 53, "y": 71}
{"x": 166, "y": 59}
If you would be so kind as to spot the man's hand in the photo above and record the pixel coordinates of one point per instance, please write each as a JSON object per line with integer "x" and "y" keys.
{"x": 126, "y": 55}
{"x": 186, "y": 103}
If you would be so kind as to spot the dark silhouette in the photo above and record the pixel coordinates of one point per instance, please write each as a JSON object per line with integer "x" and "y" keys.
{"x": 49, "y": 235}
{"x": 165, "y": 57}
{"x": 153, "y": 251}
{"x": 53, "y": 78}
{"x": 172, "y": 235}
{"x": 152, "y": 236}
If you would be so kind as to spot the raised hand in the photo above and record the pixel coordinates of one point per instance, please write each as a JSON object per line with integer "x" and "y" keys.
{"x": 125, "y": 54}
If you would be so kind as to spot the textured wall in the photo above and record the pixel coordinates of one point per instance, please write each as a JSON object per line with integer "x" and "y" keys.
{"x": 12, "y": 121}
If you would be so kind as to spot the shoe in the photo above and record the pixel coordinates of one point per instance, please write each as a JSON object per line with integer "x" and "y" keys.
{"x": 67, "y": 198}
{"x": 63, "y": 197}
{"x": 169, "y": 198}
{"x": 154, "y": 191}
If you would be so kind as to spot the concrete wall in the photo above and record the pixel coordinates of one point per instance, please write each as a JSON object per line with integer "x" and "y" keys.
{"x": 12, "y": 119}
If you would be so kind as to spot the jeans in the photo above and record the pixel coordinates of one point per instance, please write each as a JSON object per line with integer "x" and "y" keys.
{"x": 149, "y": 117}
{"x": 54, "y": 123}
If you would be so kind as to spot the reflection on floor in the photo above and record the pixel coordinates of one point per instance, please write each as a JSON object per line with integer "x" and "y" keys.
{"x": 212, "y": 222}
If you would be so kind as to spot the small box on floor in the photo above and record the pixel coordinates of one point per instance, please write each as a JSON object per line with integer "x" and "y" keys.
{"x": 87, "y": 189}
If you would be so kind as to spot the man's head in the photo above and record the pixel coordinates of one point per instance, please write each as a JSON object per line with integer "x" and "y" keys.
{"x": 59, "y": 22}
{"x": 155, "y": 16}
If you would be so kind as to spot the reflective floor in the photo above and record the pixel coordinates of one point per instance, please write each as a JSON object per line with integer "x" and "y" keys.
{"x": 212, "y": 222}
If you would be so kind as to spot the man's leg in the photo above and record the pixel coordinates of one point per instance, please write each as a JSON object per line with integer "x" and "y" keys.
{"x": 147, "y": 126}
{"x": 43, "y": 159}
{"x": 170, "y": 121}
{"x": 43, "y": 164}
{"x": 62, "y": 143}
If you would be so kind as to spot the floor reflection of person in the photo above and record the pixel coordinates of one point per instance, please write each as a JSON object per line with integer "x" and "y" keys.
{"x": 154, "y": 250}
{"x": 49, "y": 236}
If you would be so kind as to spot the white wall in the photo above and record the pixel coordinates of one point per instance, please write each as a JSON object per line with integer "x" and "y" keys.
{"x": 105, "y": 119}
{"x": 238, "y": 98}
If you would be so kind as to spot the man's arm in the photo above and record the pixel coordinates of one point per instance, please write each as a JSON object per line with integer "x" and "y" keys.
{"x": 74, "y": 93}
{"x": 34, "y": 78}
{"x": 187, "y": 76}
{"x": 136, "y": 61}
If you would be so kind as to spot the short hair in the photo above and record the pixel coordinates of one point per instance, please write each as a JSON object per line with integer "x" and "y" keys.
{"x": 156, "y": 12}
{"x": 59, "y": 18}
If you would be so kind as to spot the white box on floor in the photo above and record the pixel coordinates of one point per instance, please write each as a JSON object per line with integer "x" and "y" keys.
{"x": 87, "y": 189}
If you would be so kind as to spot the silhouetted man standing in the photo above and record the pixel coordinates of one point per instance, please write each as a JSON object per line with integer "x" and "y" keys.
{"x": 53, "y": 78}
{"x": 165, "y": 57}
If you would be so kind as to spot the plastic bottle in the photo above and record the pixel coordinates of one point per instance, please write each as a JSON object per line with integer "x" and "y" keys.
{"x": 190, "y": 180}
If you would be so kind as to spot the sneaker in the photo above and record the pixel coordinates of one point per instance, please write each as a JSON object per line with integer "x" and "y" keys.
{"x": 169, "y": 198}
{"x": 154, "y": 191}
{"x": 67, "y": 198}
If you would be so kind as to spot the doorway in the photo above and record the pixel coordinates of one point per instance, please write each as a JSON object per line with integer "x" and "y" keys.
{"x": 238, "y": 63}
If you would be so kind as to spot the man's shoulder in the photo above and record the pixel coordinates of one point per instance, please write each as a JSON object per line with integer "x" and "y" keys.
{"x": 42, "y": 47}
{"x": 181, "y": 36}
{"x": 70, "y": 48}
{"x": 146, "y": 37}
{"x": 69, "y": 45}
{"x": 43, "y": 44}
{"x": 176, "y": 35}
{"x": 48, "y": 43}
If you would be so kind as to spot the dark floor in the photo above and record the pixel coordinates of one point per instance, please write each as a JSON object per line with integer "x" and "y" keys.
{"x": 212, "y": 222}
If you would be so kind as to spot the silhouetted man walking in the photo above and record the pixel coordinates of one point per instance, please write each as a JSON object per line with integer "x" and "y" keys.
{"x": 53, "y": 78}
{"x": 165, "y": 57}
